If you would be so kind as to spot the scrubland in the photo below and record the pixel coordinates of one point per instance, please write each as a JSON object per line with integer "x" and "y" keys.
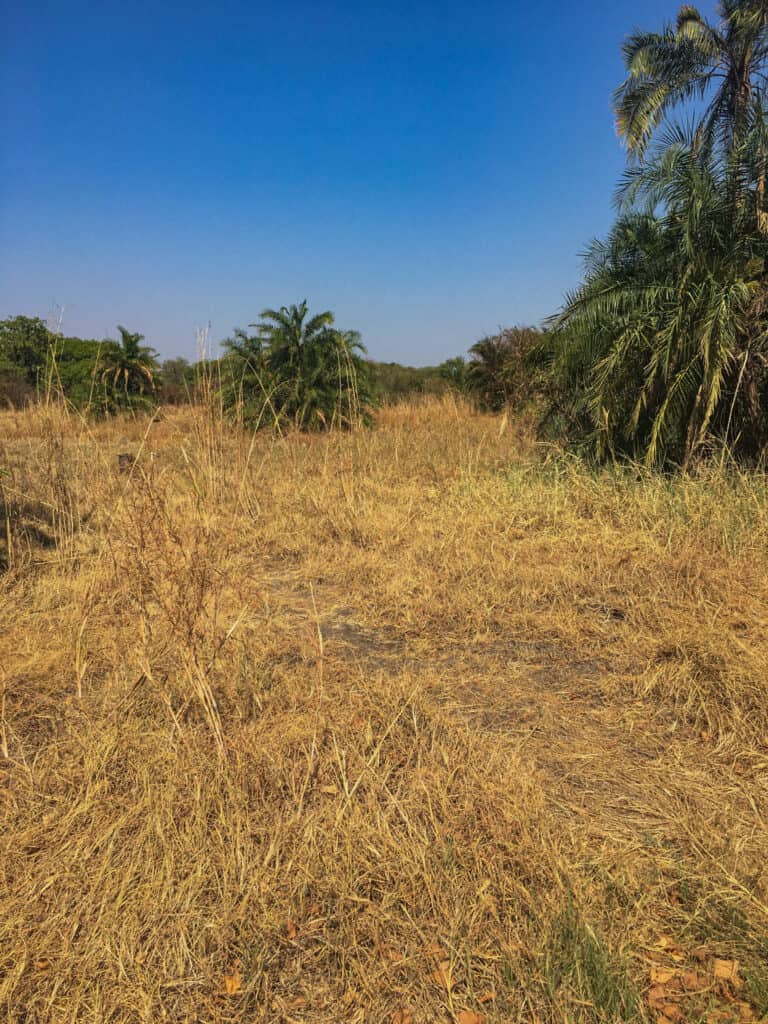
{"x": 417, "y": 723}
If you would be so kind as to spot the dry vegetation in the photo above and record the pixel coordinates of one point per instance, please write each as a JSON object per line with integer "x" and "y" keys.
{"x": 416, "y": 724}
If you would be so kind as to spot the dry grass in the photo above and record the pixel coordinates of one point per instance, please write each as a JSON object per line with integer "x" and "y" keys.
{"x": 414, "y": 720}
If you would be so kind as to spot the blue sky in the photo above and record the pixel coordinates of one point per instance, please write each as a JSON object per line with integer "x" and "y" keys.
{"x": 428, "y": 170}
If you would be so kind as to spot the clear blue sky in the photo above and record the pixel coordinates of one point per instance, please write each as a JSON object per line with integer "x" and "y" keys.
{"x": 429, "y": 170}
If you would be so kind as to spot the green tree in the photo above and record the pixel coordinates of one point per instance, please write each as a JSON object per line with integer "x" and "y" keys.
{"x": 24, "y": 343}
{"x": 455, "y": 372}
{"x": 499, "y": 372}
{"x": 303, "y": 367}
{"x": 662, "y": 354}
{"x": 246, "y": 378}
{"x": 75, "y": 367}
{"x": 392, "y": 382}
{"x": 722, "y": 65}
{"x": 177, "y": 381}
{"x": 664, "y": 349}
{"x": 130, "y": 368}
{"x": 725, "y": 64}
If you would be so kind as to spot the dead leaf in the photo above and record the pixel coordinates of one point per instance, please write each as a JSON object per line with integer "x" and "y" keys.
{"x": 661, "y": 975}
{"x": 291, "y": 930}
{"x": 443, "y": 976}
{"x": 728, "y": 970}
{"x": 693, "y": 981}
{"x": 469, "y": 1017}
{"x": 657, "y": 997}
{"x": 233, "y": 979}
{"x": 719, "y": 1017}
{"x": 329, "y": 790}
{"x": 402, "y": 1017}
{"x": 671, "y": 1012}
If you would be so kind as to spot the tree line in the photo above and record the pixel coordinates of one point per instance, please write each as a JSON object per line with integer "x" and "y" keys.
{"x": 291, "y": 368}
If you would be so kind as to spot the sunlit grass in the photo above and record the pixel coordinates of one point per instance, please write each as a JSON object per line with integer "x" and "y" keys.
{"x": 336, "y": 709}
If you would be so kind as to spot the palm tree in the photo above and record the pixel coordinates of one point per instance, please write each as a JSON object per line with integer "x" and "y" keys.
{"x": 294, "y": 342}
{"x": 665, "y": 346}
{"x": 247, "y": 382}
{"x": 308, "y": 371}
{"x": 131, "y": 366}
{"x": 724, "y": 65}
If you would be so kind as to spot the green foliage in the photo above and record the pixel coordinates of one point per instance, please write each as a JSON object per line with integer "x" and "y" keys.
{"x": 456, "y": 374}
{"x": 100, "y": 376}
{"x": 579, "y": 968}
{"x": 664, "y": 349}
{"x": 501, "y": 372}
{"x": 177, "y": 381}
{"x": 23, "y": 346}
{"x": 393, "y": 382}
{"x": 248, "y": 383}
{"x": 723, "y": 64}
{"x": 129, "y": 370}
{"x": 75, "y": 369}
{"x": 23, "y": 349}
{"x": 662, "y": 354}
{"x": 297, "y": 369}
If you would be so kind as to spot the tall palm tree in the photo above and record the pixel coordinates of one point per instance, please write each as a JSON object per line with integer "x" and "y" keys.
{"x": 665, "y": 346}
{"x": 131, "y": 366}
{"x": 723, "y": 64}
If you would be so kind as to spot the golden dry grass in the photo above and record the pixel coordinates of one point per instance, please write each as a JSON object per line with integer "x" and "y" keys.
{"x": 410, "y": 724}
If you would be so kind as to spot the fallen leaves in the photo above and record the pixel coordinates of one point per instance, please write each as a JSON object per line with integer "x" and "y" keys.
{"x": 693, "y": 981}
{"x": 402, "y": 1017}
{"x": 728, "y": 970}
{"x": 233, "y": 979}
{"x": 443, "y": 975}
{"x": 673, "y": 991}
{"x": 670, "y": 948}
{"x": 661, "y": 975}
{"x": 469, "y": 1017}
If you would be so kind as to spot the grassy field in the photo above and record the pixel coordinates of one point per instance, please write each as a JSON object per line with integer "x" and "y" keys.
{"x": 416, "y": 724}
